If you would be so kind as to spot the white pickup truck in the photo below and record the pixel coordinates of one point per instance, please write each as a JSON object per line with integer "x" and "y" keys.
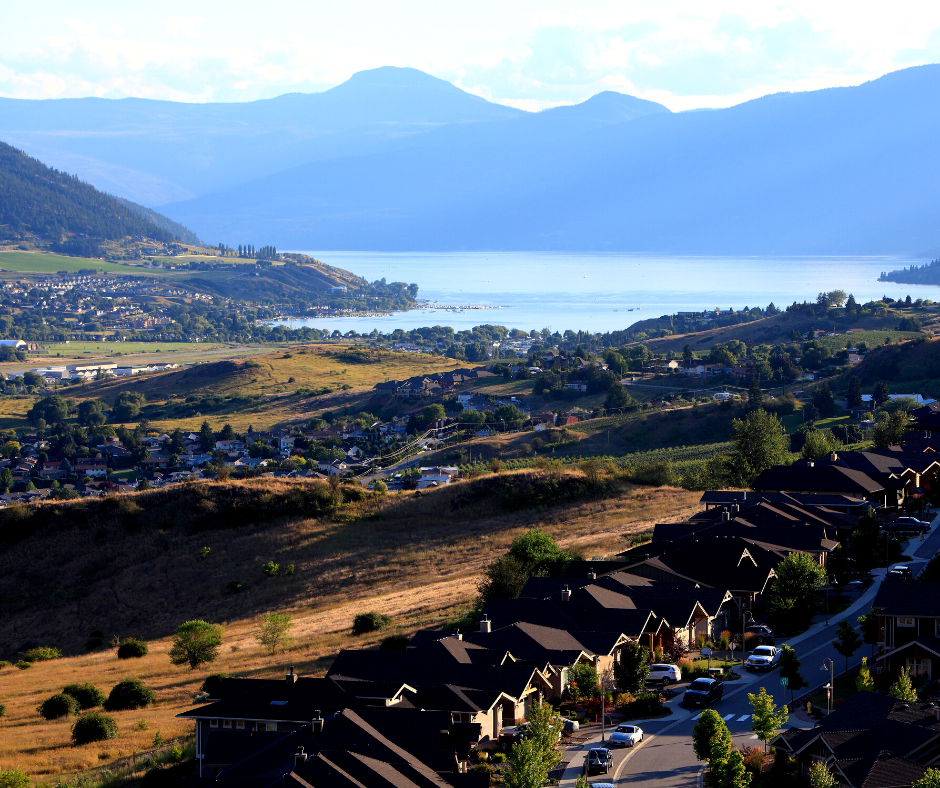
{"x": 763, "y": 658}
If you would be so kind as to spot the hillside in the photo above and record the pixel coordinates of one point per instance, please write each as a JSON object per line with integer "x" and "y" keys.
{"x": 52, "y": 208}
{"x": 907, "y": 368}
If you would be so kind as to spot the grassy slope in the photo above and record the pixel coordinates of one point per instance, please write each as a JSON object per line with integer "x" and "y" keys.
{"x": 414, "y": 559}
{"x": 907, "y": 368}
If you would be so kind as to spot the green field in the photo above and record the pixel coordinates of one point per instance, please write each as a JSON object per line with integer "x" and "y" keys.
{"x": 41, "y": 263}
{"x": 871, "y": 338}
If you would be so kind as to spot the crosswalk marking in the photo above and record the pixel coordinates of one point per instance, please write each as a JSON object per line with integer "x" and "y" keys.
{"x": 745, "y": 718}
{"x": 728, "y": 717}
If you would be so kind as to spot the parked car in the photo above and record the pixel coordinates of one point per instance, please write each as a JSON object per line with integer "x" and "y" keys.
{"x": 599, "y": 760}
{"x": 664, "y": 674}
{"x": 899, "y": 572}
{"x": 513, "y": 733}
{"x": 571, "y": 726}
{"x": 914, "y": 523}
{"x": 762, "y": 632}
{"x": 703, "y": 692}
{"x": 627, "y": 735}
{"x": 763, "y": 658}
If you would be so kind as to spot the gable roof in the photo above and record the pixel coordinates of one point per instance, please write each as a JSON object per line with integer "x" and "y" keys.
{"x": 908, "y": 598}
{"x": 820, "y": 478}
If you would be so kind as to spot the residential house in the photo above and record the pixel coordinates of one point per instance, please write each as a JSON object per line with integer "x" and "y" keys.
{"x": 808, "y": 477}
{"x": 90, "y": 466}
{"x": 333, "y": 467}
{"x": 869, "y": 741}
{"x": 909, "y": 627}
{"x": 54, "y": 470}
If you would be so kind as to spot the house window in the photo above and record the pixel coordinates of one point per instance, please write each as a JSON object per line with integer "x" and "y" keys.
{"x": 240, "y": 724}
{"x": 226, "y": 723}
{"x": 918, "y": 667}
{"x": 936, "y": 627}
{"x": 272, "y": 726}
{"x": 905, "y": 622}
{"x": 213, "y": 723}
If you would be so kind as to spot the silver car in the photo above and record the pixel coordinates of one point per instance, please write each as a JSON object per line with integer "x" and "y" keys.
{"x": 626, "y": 735}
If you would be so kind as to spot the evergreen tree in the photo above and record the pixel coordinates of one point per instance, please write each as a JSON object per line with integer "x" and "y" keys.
{"x": 711, "y": 740}
{"x": 821, "y": 777}
{"x": 631, "y": 671}
{"x": 854, "y": 396}
{"x": 206, "y": 437}
{"x": 730, "y": 773}
{"x": 902, "y": 689}
{"x": 880, "y": 393}
{"x": 754, "y": 395}
{"x": 863, "y": 681}
{"x": 871, "y": 629}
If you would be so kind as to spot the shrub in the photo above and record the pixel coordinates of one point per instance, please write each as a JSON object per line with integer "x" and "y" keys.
{"x": 94, "y": 726}
{"x": 380, "y": 488}
{"x": 234, "y": 587}
{"x": 370, "y": 622}
{"x": 58, "y": 705}
{"x": 23, "y": 664}
{"x": 129, "y": 694}
{"x": 270, "y": 569}
{"x": 394, "y": 643}
{"x": 289, "y": 569}
{"x": 353, "y": 493}
{"x": 41, "y": 654}
{"x": 131, "y": 648}
{"x": 499, "y": 757}
{"x": 87, "y": 695}
{"x": 95, "y": 640}
{"x": 4, "y": 664}
{"x": 753, "y": 759}
{"x": 3, "y": 710}
{"x": 213, "y": 680}
{"x": 14, "y": 778}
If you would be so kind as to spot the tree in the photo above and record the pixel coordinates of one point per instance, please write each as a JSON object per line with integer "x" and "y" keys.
{"x": 871, "y": 629}
{"x": 731, "y": 772}
{"x": 891, "y": 429}
{"x": 853, "y": 397}
{"x": 755, "y": 397}
{"x": 618, "y": 398}
{"x": 583, "y": 677}
{"x": 818, "y": 444}
{"x": 824, "y": 401}
{"x": 687, "y": 355}
{"x": 433, "y": 413}
{"x": 821, "y": 777}
{"x": 195, "y": 643}
{"x": 504, "y": 578}
{"x": 87, "y": 411}
{"x": 790, "y": 670}
{"x": 902, "y": 689}
{"x": 766, "y": 718}
{"x": 863, "y": 681}
{"x": 792, "y": 597}
{"x": 759, "y": 443}
{"x": 272, "y": 631}
{"x": 508, "y": 415}
{"x": 847, "y": 641}
{"x": 931, "y": 779}
{"x": 711, "y": 740}
{"x": 227, "y": 433}
{"x": 880, "y": 393}
{"x": 52, "y": 410}
{"x": 536, "y": 549}
{"x": 14, "y": 778}
{"x": 531, "y": 760}
{"x": 127, "y": 406}
{"x": 633, "y": 668}
{"x": 206, "y": 437}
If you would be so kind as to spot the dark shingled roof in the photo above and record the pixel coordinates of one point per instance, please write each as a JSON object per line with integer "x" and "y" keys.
{"x": 822, "y": 478}
{"x": 908, "y": 598}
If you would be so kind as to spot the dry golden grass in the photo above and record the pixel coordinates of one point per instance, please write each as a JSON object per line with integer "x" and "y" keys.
{"x": 417, "y": 560}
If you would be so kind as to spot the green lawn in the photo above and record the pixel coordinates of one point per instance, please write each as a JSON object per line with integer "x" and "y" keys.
{"x": 42, "y": 263}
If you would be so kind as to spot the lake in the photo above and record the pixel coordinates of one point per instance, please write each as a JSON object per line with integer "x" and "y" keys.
{"x": 596, "y": 292}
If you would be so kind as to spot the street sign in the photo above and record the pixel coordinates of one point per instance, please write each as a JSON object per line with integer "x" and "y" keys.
{"x": 705, "y": 651}
{"x": 784, "y": 681}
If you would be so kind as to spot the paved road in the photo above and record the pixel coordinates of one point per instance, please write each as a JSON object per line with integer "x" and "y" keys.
{"x": 665, "y": 757}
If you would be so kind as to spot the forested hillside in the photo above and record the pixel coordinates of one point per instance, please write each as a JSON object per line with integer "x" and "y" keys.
{"x": 53, "y": 208}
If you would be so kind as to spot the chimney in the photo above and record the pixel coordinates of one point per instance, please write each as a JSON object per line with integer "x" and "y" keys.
{"x": 291, "y": 677}
{"x": 592, "y": 575}
{"x": 735, "y": 508}
{"x": 459, "y": 634}
{"x": 725, "y": 516}
{"x": 936, "y": 713}
{"x": 745, "y": 495}
{"x": 316, "y": 724}
{"x": 566, "y": 594}
{"x": 833, "y": 457}
{"x": 485, "y": 624}
{"x": 300, "y": 757}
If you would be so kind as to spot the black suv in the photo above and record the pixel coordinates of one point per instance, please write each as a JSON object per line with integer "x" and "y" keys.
{"x": 599, "y": 761}
{"x": 703, "y": 692}
{"x": 764, "y": 633}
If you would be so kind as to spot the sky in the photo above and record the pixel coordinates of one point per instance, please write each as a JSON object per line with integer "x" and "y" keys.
{"x": 528, "y": 54}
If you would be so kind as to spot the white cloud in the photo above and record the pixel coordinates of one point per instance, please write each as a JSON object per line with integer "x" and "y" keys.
{"x": 528, "y": 53}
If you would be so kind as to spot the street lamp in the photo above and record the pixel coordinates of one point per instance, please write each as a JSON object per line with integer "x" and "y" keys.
{"x": 744, "y": 617}
{"x": 830, "y": 687}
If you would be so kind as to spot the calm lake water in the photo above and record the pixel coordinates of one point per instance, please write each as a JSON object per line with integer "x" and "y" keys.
{"x": 595, "y": 292}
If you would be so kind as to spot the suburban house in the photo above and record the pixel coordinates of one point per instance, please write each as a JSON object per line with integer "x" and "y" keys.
{"x": 810, "y": 477}
{"x": 869, "y": 741}
{"x": 333, "y": 467}
{"x": 909, "y": 627}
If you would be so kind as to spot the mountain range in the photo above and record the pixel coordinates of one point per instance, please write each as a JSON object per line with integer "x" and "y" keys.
{"x": 396, "y": 159}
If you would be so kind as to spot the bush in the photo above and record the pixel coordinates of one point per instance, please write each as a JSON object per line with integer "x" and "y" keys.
{"x": 94, "y": 726}
{"x": 87, "y": 695}
{"x": 95, "y": 640}
{"x": 370, "y": 622}
{"x": 23, "y": 664}
{"x": 270, "y": 569}
{"x": 353, "y": 493}
{"x": 129, "y": 694}
{"x": 380, "y": 488}
{"x": 233, "y": 587}
{"x": 3, "y": 710}
{"x": 753, "y": 759}
{"x": 394, "y": 643}
{"x": 14, "y": 778}
{"x": 131, "y": 648}
{"x": 41, "y": 654}
{"x": 4, "y": 664}
{"x": 59, "y": 705}
{"x": 499, "y": 757}
{"x": 213, "y": 680}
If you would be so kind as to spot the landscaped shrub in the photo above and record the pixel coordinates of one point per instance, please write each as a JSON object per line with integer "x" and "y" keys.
{"x": 94, "y": 726}
{"x": 370, "y": 622}
{"x": 499, "y": 757}
{"x": 753, "y": 759}
{"x": 129, "y": 694}
{"x": 59, "y": 705}
{"x": 131, "y": 648}
{"x": 41, "y": 654}
{"x": 213, "y": 680}
{"x": 87, "y": 695}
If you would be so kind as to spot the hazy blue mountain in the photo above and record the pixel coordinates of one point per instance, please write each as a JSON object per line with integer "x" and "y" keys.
{"x": 838, "y": 171}
{"x": 155, "y": 152}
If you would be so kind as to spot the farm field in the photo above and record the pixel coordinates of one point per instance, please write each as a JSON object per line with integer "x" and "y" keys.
{"x": 397, "y": 555}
